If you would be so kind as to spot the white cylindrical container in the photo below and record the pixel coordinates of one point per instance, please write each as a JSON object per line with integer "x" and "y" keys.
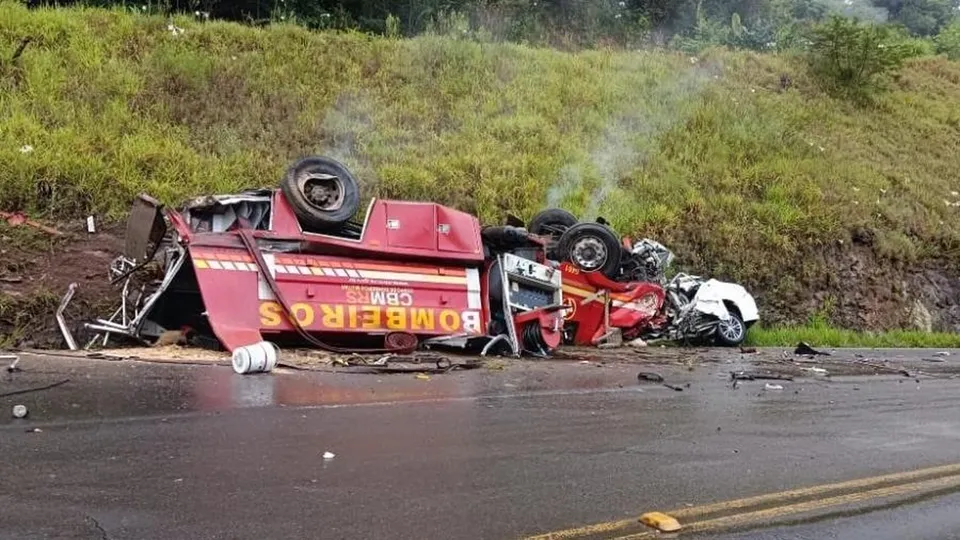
{"x": 257, "y": 358}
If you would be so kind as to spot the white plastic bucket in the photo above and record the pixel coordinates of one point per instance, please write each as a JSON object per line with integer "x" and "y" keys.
{"x": 257, "y": 358}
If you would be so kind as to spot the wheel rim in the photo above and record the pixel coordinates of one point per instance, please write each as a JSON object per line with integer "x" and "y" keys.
{"x": 323, "y": 191}
{"x": 589, "y": 253}
{"x": 731, "y": 329}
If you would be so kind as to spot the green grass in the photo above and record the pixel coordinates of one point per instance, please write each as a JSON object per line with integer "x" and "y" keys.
{"x": 821, "y": 336}
{"x": 743, "y": 181}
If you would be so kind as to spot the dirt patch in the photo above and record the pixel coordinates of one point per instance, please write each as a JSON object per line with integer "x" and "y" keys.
{"x": 36, "y": 270}
{"x": 861, "y": 291}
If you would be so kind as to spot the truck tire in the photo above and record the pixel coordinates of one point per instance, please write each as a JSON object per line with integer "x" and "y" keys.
{"x": 322, "y": 192}
{"x": 552, "y": 221}
{"x": 551, "y": 224}
{"x": 592, "y": 247}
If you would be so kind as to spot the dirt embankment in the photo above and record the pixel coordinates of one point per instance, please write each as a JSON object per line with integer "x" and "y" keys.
{"x": 854, "y": 288}
{"x": 36, "y": 269}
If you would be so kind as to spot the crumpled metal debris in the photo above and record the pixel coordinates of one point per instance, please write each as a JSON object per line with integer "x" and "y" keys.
{"x": 649, "y": 376}
{"x": 804, "y": 349}
{"x": 753, "y": 376}
{"x": 416, "y": 363}
{"x": 12, "y": 368}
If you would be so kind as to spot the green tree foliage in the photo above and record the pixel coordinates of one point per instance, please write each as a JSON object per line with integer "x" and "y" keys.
{"x": 692, "y": 25}
{"x": 921, "y": 17}
{"x": 853, "y": 58}
{"x": 948, "y": 42}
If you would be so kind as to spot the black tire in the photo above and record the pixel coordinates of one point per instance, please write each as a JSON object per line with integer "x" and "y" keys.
{"x": 732, "y": 332}
{"x": 321, "y": 203}
{"x": 551, "y": 224}
{"x": 592, "y": 247}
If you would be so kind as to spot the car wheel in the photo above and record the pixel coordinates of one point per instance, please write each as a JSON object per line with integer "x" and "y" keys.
{"x": 592, "y": 247}
{"x": 731, "y": 332}
{"x": 551, "y": 224}
{"x": 322, "y": 192}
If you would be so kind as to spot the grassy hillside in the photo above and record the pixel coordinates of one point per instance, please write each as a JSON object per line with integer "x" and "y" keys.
{"x": 743, "y": 180}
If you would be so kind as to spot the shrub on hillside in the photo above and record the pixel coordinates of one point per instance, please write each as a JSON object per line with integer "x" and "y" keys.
{"x": 854, "y": 59}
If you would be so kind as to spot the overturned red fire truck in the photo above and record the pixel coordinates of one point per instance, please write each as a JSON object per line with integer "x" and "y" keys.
{"x": 291, "y": 266}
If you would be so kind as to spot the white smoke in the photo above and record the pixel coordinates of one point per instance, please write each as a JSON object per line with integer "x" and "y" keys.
{"x": 629, "y": 139}
{"x": 343, "y": 129}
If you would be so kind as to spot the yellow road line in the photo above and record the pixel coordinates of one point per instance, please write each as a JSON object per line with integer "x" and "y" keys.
{"x": 772, "y": 498}
{"x": 785, "y": 496}
{"x": 587, "y": 530}
{"x": 809, "y": 506}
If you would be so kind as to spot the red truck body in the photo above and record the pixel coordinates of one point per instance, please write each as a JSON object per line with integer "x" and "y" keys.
{"x": 633, "y": 306}
{"x": 417, "y": 270}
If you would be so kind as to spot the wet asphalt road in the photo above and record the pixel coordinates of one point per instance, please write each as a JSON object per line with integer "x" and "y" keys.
{"x": 136, "y": 450}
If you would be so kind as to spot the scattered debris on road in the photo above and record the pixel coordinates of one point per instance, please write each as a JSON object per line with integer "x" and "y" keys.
{"x": 804, "y": 349}
{"x": 754, "y": 376}
{"x": 14, "y": 365}
{"x": 660, "y": 521}
{"x": 37, "y": 389}
{"x": 649, "y": 376}
{"x": 20, "y": 411}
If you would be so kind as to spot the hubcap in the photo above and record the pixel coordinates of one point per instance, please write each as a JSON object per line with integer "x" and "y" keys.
{"x": 731, "y": 329}
{"x": 322, "y": 190}
{"x": 589, "y": 253}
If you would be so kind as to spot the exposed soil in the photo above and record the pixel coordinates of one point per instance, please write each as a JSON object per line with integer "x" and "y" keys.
{"x": 861, "y": 291}
{"x": 36, "y": 271}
